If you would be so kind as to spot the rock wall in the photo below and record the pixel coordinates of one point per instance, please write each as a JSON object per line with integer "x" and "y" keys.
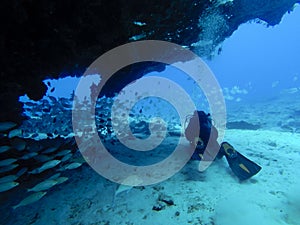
{"x": 50, "y": 39}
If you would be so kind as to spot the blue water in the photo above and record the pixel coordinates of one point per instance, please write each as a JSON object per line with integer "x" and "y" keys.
{"x": 259, "y": 75}
{"x": 256, "y": 56}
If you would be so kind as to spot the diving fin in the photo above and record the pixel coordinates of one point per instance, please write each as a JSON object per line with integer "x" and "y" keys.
{"x": 242, "y": 167}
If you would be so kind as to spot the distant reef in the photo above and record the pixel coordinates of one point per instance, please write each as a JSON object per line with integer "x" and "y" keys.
{"x": 50, "y": 39}
{"x": 242, "y": 125}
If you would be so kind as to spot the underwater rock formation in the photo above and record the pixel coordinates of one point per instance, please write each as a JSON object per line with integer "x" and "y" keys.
{"x": 51, "y": 39}
{"x": 243, "y": 125}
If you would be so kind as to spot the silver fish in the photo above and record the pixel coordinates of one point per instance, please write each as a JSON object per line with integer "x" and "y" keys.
{"x": 7, "y": 162}
{"x": 64, "y": 152}
{"x": 46, "y": 166}
{"x": 122, "y": 188}
{"x": 8, "y": 178}
{"x": 50, "y": 150}
{"x": 54, "y": 177}
{"x": 8, "y": 168}
{"x": 43, "y": 158}
{"x": 290, "y": 90}
{"x": 30, "y": 199}
{"x": 138, "y": 23}
{"x": 72, "y": 166}
{"x": 43, "y": 186}
{"x": 61, "y": 180}
{"x": 18, "y": 144}
{"x": 130, "y": 179}
{"x": 53, "y": 99}
{"x": 28, "y": 155}
{"x": 4, "y": 126}
{"x": 4, "y": 148}
{"x": 66, "y": 157}
{"x": 39, "y": 136}
{"x": 15, "y": 133}
{"x": 8, "y": 185}
{"x": 137, "y": 37}
{"x": 66, "y": 103}
{"x": 22, "y": 171}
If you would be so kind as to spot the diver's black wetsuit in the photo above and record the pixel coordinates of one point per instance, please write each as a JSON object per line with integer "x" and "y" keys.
{"x": 242, "y": 167}
{"x": 206, "y": 129}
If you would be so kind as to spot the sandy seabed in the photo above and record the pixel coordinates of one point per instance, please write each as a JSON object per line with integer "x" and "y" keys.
{"x": 214, "y": 196}
{"x": 211, "y": 197}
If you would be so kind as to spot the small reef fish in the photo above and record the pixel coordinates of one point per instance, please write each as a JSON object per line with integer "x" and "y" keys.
{"x": 275, "y": 84}
{"x": 22, "y": 171}
{"x": 28, "y": 155}
{"x": 291, "y": 90}
{"x": 138, "y": 23}
{"x": 64, "y": 152}
{"x": 30, "y": 199}
{"x": 7, "y": 162}
{"x": 8, "y": 178}
{"x": 15, "y": 133}
{"x": 133, "y": 179}
{"x": 61, "y": 180}
{"x": 137, "y": 37}
{"x": 43, "y": 158}
{"x": 54, "y": 177}
{"x": 8, "y": 185}
{"x": 5, "y": 126}
{"x": 46, "y": 166}
{"x": 122, "y": 188}
{"x": 66, "y": 157}
{"x": 8, "y": 168}
{"x": 50, "y": 150}
{"x": 4, "y": 148}
{"x": 72, "y": 166}
{"x": 43, "y": 186}
{"x": 53, "y": 99}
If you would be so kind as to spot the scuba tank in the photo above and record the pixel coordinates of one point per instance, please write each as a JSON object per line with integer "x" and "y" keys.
{"x": 205, "y": 124}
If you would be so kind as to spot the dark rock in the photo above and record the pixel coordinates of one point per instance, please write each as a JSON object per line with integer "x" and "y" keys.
{"x": 287, "y": 128}
{"x": 158, "y": 207}
{"x": 45, "y": 39}
{"x": 296, "y": 113}
{"x": 166, "y": 199}
{"x": 243, "y": 125}
{"x": 175, "y": 133}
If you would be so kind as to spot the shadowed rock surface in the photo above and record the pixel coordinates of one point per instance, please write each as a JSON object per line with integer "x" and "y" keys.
{"x": 51, "y": 39}
{"x": 243, "y": 125}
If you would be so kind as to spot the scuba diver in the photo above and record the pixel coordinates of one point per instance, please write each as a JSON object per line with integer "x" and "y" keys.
{"x": 242, "y": 167}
